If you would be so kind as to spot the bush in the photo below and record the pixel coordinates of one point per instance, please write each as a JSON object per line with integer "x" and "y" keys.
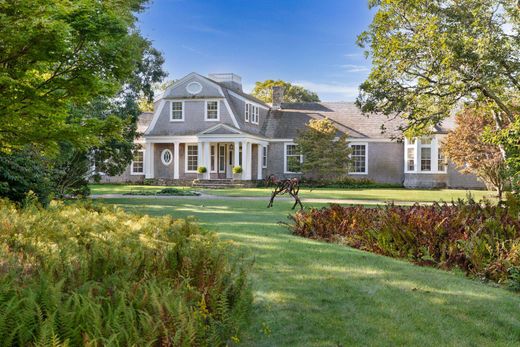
{"x": 346, "y": 182}
{"x": 165, "y": 192}
{"x": 202, "y": 169}
{"x": 237, "y": 169}
{"x": 90, "y": 275}
{"x": 481, "y": 239}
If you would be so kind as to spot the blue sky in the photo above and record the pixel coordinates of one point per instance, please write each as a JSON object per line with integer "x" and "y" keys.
{"x": 307, "y": 42}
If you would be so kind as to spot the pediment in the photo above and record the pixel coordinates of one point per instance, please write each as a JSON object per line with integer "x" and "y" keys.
{"x": 221, "y": 129}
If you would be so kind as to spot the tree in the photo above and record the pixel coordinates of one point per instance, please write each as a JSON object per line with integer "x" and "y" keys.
{"x": 429, "y": 56}
{"x": 58, "y": 55}
{"x": 292, "y": 93}
{"x": 325, "y": 155}
{"x": 465, "y": 146}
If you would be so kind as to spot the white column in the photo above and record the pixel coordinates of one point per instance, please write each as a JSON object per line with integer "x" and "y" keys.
{"x": 176, "y": 160}
{"x": 207, "y": 159}
{"x": 260, "y": 161}
{"x": 148, "y": 160}
{"x": 249, "y": 160}
{"x": 244, "y": 160}
{"x": 200, "y": 155}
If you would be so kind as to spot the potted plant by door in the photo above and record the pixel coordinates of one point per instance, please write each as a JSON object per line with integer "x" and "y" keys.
{"x": 237, "y": 172}
{"x": 201, "y": 170}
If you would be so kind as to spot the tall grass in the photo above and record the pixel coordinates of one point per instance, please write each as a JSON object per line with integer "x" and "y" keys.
{"x": 96, "y": 276}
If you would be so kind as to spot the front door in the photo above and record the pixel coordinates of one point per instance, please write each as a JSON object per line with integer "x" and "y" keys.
{"x": 222, "y": 163}
{"x": 230, "y": 164}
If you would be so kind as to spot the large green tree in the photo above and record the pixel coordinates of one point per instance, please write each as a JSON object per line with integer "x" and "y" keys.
{"x": 325, "y": 154}
{"x": 63, "y": 55}
{"x": 292, "y": 93}
{"x": 429, "y": 56}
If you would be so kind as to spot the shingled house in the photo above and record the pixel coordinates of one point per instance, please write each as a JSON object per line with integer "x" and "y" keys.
{"x": 210, "y": 122}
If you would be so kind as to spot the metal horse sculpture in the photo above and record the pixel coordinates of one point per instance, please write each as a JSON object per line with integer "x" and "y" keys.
{"x": 290, "y": 186}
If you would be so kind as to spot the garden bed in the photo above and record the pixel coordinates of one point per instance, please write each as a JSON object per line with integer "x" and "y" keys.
{"x": 481, "y": 239}
{"x": 90, "y": 275}
{"x": 165, "y": 192}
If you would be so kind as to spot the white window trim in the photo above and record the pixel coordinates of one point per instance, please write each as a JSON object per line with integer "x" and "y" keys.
{"x": 162, "y": 157}
{"x": 434, "y": 146}
{"x": 206, "y": 111}
{"x": 285, "y": 158}
{"x": 264, "y": 151}
{"x": 186, "y": 157}
{"x": 247, "y": 114}
{"x": 171, "y": 111}
{"x": 219, "y": 147}
{"x": 255, "y": 115}
{"x": 366, "y": 157}
{"x": 213, "y": 161}
{"x": 132, "y": 165}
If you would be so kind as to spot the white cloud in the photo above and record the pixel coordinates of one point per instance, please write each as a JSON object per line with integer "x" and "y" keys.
{"x": 338, "y": 91}
{"x": 355, "y": 68}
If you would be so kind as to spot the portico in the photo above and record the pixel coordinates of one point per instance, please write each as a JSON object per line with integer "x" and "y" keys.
{"x": 179, "y": 157}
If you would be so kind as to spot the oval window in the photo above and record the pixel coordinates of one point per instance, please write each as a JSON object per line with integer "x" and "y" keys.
{"x": 194, "y": 88}
{"x": 166, "y": 157}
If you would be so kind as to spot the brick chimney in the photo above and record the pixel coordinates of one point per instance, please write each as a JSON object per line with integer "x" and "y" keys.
{"x": 277, "y": 97}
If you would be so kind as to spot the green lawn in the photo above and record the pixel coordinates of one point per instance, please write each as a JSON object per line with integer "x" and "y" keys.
{"x": 309, "y": 293}
{"x": 396, "y": 194}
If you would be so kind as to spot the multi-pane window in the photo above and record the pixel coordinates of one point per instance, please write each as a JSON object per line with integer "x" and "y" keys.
{"x": 255, "y": 115}
{"x": 212, "y": 110}
{"x": 293, "y": 158}
{"x": 248, "y": 112}
{"x": 240, "y": 154}
{"x": 222, "y": 158}
{"x": 176, "y": 111}
{"x": 264, "y": 156}
{"x": 410, "y": 158}
{"x": 359, "y": 158}
{"x": 192, "y": 157}
{"x": 442, "y": 161}
{"x": 426, "y": 159}
{"x": 213, "y": 159}
{"x": 138, "y": 162}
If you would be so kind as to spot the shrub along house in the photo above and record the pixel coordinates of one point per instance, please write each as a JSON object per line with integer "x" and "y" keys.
{"x": 210, "y": 122}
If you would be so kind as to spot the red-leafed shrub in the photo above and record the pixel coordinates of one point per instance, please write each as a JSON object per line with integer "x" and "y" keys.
{"x": 482, "y": 239}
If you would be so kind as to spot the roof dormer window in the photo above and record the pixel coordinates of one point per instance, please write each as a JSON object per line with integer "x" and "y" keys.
{"x": 252, "y": 113}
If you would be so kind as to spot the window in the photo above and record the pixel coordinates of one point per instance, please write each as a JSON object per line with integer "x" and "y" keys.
{"x": 293, "y": 159}
{"x": 192, "y": 152}
{"x": 240, "y": 154}
{"x": 221, "y": 158}
{"x": 213, "y": 159}
{"x": 212, "y": 110}
{"x": 252, "y": 113}
{"x": 248, "y": 112}
{"x": 166, "y": 157}
{"x": 177, "y": 111}
{"x": 426, "y": 159}
{"x": 264, "y": 156}
{"x": 255, "y": 115}
{"x": 410, "y": 158}
{"x": 442, "y": 161}
{"x": 137, "y": 166}
{"x": 359, "y": 158}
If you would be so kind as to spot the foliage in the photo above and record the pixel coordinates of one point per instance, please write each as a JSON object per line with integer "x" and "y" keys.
{"x": 25, "y": 171}
{"x": 57, "y": 55}
{"x": 292, "y": 93}
{"x": 483, "y": 240}
{"x": 465, "y": 146}
{"x": 237, "y": 169}
{"x": 165, "y": 192}
{"x": 90, "y": 275}
{"x": 202, "y": 169}
{"x": 430, "y": 56}
{"x": 346, "y": 183}
{"x": 325, "y": 157}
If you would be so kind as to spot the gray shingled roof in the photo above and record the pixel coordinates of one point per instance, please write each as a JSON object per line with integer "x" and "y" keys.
{"x": 286, "y": 123}
{"x": 144, "y": 121}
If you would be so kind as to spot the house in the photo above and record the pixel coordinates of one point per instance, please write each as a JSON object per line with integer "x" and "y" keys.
{"x": 210, "y": 122}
